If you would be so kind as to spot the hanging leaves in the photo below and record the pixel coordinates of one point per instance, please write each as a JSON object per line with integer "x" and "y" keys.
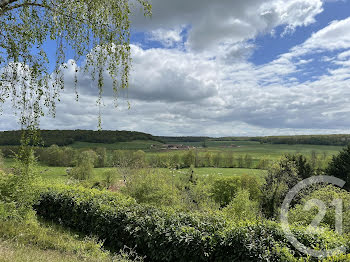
{"x": 95, "y": 32}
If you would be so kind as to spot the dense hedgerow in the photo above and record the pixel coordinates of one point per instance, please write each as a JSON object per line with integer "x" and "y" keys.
{"x": 168, "y": 236}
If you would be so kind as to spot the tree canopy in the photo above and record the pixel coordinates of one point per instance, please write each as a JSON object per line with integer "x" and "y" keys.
{"x": 95, "y": 33}
{"x": 340, "y": 167}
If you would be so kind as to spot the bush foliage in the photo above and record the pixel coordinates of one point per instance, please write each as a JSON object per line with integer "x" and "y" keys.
{"x": 169, "y": 236}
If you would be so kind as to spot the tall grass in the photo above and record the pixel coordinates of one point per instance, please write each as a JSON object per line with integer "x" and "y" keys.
{"x": 38, "y": 241}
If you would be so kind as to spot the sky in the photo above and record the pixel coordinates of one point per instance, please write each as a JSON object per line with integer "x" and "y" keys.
{"x": 224, "y": 68}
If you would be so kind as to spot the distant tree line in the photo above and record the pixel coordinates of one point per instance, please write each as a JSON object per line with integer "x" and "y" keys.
{"x": 334, "y": 140}
{"x": 67, "y": 137}
{"x": 68, "y": 156}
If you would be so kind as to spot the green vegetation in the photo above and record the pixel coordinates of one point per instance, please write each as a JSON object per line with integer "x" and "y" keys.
{"x": 79, "y": 137}
{"x": 327, "y": 195}
{"x": 37, "y": 241}
{"x": 81, "y": 30}
{"x": 131, "y": 145}
{"x": 168, "y": 214}
{"x": 169, "y": 236}
{"x": 170, "y": 205}
{"x": 335, "y": 140}
{"x": 340, "y": 167}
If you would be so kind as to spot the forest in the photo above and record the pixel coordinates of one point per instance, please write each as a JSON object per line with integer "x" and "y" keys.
{"x": 67, "y": 137}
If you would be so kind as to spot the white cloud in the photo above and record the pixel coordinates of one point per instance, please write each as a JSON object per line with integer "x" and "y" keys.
{"x": 216, "y": 22}
{"x": 293, "y": 13}
{"x": 344, "y": 55}
{"x": 336, "y": 36}
{"x": 168, "y": 37}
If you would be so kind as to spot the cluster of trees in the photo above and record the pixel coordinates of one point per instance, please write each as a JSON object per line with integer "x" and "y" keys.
{"x": 67, "y": 156}
{"x": 285, "y": 174}
{"x": 67, "y": 137}
{"x": 197, "y": 159}
{"x": 217, "y": 159}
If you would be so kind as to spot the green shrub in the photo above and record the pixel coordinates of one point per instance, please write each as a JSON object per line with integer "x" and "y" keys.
{"x": 169, "y": 236}
{"x": 326, "y": 194}
{"x": 242, "y": 208}
{"x": 109, "y": 177}
{"x": 224, "y": 190}
{"x": 189, "y": 158}
{"x": 281, "y": 177}
{"x": 85, "y": 165}
{"x": 151, "y": 187}
{"x": 252, "y": 185}
{"x": 56, "y": 156}
{"x": 101, "y": 157}
{"x": 303, "y": 167}
{"x": 138, "y": 159}
{"x": 18, "y": 192}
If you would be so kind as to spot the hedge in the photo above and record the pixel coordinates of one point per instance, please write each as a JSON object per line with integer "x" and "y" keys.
{"x": 168, "y": 236}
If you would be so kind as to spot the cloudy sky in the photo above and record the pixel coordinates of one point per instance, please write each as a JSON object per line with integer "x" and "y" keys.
{"x": 226, "y": 68}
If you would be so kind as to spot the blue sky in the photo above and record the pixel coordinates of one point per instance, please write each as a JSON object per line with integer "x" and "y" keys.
{"x": 269, "y": 47}
{"x": 225, "y": 68}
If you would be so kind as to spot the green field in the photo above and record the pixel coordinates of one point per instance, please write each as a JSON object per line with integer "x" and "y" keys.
{"x": 144, "y": 145}
{"x": 58, "y": 174}
{"x": 268, "y": 150}
{"x": 229, "y": 171}
{"x": 255, "y": 149}
{"x": 55, "y": 175}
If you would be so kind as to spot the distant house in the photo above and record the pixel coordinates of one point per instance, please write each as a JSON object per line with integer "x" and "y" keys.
{"x": 176, "y": 147}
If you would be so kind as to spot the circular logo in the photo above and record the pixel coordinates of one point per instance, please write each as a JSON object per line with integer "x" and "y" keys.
{"x": 285, "y": 208}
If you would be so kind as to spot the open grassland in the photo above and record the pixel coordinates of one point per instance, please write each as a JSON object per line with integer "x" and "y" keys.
{"x": 258, "y": 150}
{"x": 58, "y": 175}
{"x": 14, "y": 252}
{"x": 229, "y": 172}
{"x": 255, "y": 150}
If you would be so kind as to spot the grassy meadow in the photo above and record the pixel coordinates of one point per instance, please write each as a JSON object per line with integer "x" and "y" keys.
{"x": 256, "y": 149}
{"x": 271, "y": 152}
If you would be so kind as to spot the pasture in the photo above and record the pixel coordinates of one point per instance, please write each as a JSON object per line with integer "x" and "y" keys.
{"x": 256, "y": 150}
{"x": 58, "y": 175}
